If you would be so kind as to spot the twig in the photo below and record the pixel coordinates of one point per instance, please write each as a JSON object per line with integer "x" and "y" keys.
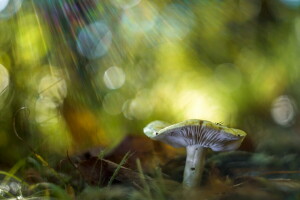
{"x": 279, "y": 172}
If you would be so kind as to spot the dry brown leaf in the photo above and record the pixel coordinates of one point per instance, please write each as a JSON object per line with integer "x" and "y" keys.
{"x": 151, "y": 153}
{"x": 99, "y": 171}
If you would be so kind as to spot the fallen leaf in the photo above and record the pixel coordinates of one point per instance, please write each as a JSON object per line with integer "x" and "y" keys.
{"x": 99, "y": 171}
{"x": 150, "y": 153}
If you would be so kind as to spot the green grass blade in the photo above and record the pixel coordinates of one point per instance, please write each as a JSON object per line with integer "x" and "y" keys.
{"x": 13, "y": 170}
{"x": 11, "y": 176}
{"x": 143, "y": 179}
{"x": 55, "y": 190}
{"x": 123, "y": 161}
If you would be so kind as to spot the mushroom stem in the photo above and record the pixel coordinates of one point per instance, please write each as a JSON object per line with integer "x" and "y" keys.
{"x": 194, "y": 165}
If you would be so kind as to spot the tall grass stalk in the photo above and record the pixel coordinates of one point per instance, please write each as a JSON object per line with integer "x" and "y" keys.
{"x": 123, "y": 161}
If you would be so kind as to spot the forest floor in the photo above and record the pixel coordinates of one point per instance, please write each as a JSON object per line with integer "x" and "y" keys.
{"x": 140, "y": 169}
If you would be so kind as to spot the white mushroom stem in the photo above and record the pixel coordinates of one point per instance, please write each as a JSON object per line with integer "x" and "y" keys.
{"x": 194, "y": 165}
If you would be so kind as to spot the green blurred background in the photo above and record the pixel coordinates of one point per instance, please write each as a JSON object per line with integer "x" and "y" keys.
{"x": 76, "y": 74}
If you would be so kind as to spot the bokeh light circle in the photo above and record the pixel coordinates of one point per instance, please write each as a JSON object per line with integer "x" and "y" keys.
{"x": 283, "y": 110}
{"x": 114, "y": 77}
{"x": 53, "y": 87}
{"x": 3, "y": 4}
{"x": 46, "y": 111}
{"x": 141, "y": 107}
{"x": 4, "y": 79}
{"x": 140, "y": 18}
{"x": 9, "y": 7}
{"x": 94, "y": 40}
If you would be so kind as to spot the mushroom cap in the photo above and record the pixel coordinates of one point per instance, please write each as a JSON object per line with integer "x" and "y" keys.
{"x": 155, "y": 127}
{"x": 196, "y": 132}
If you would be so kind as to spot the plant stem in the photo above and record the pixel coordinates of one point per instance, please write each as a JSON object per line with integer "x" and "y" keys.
{"x": 194, "y": 165}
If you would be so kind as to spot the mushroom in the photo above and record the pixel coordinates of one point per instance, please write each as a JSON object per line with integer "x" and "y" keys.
{"x": 197, "y": 136}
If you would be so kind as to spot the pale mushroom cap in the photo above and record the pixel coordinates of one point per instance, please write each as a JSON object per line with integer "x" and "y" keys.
{"x": 196, "y": 132}
{"x": 151, "y": 129}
